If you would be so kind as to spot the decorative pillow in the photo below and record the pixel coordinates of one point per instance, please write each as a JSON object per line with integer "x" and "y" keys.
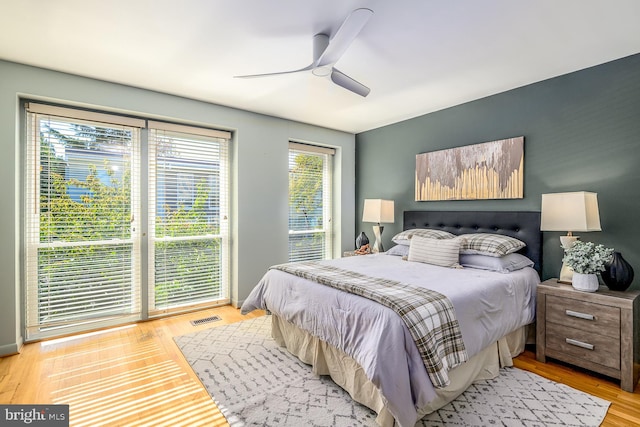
{"x": 398, "y": 250}
{"x": 442, "y": 252}
{"x": 495, "y": 245}
{"x": 504, "y": 264}
{"x": 404, "y": 237}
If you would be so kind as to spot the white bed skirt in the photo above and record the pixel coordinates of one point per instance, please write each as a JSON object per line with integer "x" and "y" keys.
{"x": 347, "y": 373}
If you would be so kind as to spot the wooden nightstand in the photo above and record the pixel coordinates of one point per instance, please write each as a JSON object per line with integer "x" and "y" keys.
{"x": 598, "y": 331}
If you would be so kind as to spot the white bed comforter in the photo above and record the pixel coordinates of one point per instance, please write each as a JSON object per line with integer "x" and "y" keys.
{"x": 488, "y": 306}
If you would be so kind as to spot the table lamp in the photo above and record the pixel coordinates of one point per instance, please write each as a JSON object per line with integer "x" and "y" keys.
{"x": 575, "y": 211}
{"x": 378, "y": 211}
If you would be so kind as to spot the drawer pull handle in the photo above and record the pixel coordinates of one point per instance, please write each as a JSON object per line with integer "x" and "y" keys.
{"x": 579, "y": 343}
{"x": 579, "y": 315}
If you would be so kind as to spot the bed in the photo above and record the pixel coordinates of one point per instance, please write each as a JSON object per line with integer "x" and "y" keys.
{"x": 368, "y": 348}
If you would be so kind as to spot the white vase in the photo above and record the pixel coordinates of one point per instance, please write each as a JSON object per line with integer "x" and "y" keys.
{"x": 585, "y": 282}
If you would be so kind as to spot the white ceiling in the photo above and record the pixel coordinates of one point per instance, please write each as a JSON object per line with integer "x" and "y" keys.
{"x": 417, "y": 56}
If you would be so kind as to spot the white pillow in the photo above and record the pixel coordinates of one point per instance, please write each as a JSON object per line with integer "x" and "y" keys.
{"x": 495, "y": 245}
{"x": 404, "y": 237}
{"x": 504, "y": 264}
{"x": 398, "y": 250}
{"x": 442, "y": 252}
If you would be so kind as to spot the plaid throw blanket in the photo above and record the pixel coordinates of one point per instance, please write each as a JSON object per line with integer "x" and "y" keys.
{"x": 429, "y": 315}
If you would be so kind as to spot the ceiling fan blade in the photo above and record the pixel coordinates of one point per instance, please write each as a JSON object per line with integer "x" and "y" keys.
{"x": 341, "y": 79}
{"x": 252, "y": 76}
{"x": 345, "y": 35}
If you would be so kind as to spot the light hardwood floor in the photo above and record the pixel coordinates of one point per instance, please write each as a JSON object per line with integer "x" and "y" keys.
{"x": 136, "y": 376}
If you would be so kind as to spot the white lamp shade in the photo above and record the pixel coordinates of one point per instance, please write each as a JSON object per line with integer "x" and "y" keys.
{"x": 378, "y": 210}
{"x": 577, "y": 211}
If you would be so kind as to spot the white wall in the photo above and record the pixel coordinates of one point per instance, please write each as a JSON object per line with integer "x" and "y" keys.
{"x": 259, "y": 177}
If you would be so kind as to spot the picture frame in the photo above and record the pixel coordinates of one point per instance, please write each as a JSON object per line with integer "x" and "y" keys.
{"x": 488, "y": 170}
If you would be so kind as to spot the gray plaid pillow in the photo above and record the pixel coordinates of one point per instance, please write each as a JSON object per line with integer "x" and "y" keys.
{"x": 404, "y": 237}
{"x": 495, "y": 245}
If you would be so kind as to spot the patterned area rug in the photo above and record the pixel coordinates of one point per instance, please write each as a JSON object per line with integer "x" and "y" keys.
{"x": 255, "y": 382}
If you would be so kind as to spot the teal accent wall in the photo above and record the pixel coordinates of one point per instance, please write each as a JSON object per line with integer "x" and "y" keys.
{"x": 259, "y": 214}
{"x": 582, "y": 132}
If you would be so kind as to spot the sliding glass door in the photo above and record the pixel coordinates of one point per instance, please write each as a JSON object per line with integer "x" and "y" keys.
{"x": 110, "y": 239}
{"x": 83, "y": 248}
{"x": 188, "y": 214}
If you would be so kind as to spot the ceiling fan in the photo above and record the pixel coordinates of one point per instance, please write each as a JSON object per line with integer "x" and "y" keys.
{"x": 328, "y": 50}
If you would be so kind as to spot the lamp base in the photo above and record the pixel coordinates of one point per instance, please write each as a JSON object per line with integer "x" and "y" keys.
{"x": 377, "y": 232}
{"x": 566, "y": 272}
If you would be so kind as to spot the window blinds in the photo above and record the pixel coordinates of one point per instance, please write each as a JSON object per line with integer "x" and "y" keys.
{"x": 82, "y": 205}
{"x": 310, "y": 231}
{"x": 188, "y": 216}
{"x": 105, "y": 244}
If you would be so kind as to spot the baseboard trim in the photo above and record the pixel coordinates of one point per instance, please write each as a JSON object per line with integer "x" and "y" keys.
{"x": 11, "y": 349}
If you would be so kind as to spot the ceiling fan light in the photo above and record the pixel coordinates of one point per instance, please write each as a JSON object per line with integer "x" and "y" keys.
{"x": 322, "y": 71}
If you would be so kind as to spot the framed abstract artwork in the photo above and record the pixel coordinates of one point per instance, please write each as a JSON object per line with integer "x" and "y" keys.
{"x": 490, "y": 170}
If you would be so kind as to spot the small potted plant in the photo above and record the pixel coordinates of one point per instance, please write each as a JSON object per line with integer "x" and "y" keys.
{"x": 586, "y": 259}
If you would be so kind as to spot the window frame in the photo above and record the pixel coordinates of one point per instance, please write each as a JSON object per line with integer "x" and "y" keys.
{"x": 140, "y": 215}
{"x": 327, "y": 230}
{"x": 223, "y": 213}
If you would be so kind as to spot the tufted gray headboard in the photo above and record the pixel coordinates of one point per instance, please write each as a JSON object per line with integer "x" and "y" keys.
{"x": 524, "y": 226}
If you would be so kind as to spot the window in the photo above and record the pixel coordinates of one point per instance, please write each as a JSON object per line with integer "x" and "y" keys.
{"x": 93, "y": 210}
{"x": 186, "y": 189}
{"x": 83, "y": 248}
{"x": 310, "y": 226}
{"x": 188, "y": 238}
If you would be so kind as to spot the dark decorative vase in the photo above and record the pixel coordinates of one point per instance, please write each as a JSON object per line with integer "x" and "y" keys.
{"x": 618, "y": 273}
{"x": 361, "y": 240}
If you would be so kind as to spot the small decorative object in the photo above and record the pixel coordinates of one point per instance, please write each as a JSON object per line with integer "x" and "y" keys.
{"x": 363, "y": 250}
{"x": 586, "y": 259}
{"x": 361, "y": 240}
{"x": 618, "y": 273}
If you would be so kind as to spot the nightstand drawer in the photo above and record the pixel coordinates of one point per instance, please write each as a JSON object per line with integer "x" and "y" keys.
{"x": 584, "y": 315}
{"x": 584, "y": 345}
